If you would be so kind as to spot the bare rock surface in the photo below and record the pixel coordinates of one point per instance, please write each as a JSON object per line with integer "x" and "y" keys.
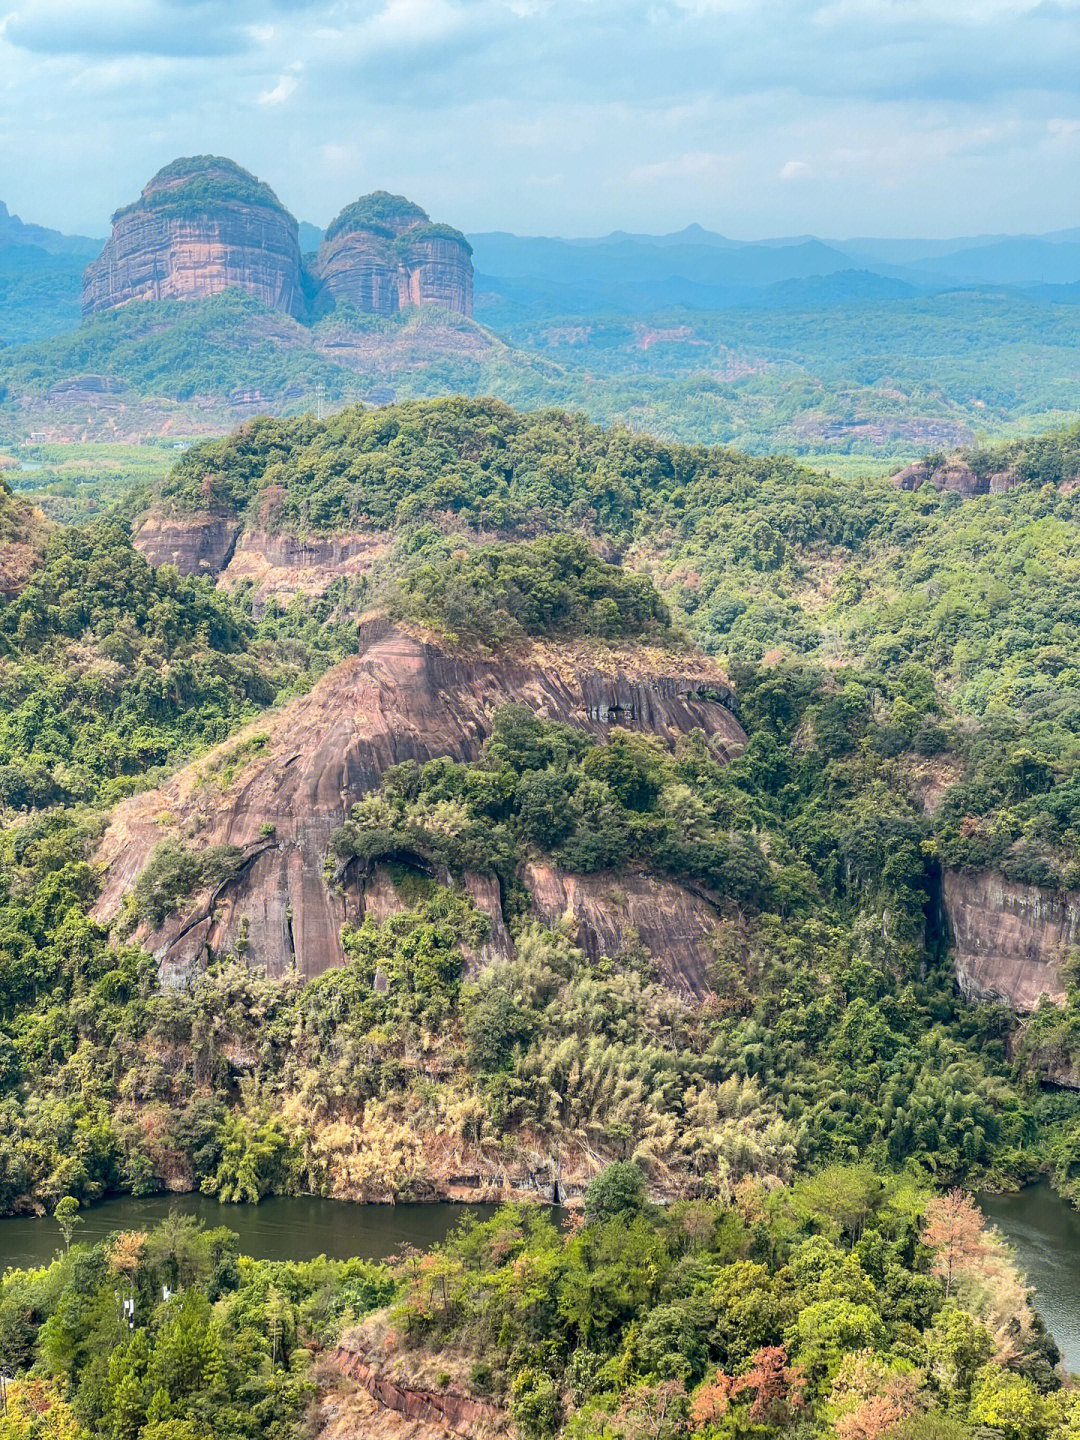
{"x": 197, "y": 544}
{"x": 404, "y": 696}
{"x": 613, "y": 911}
{"x": 202, "y": 225}
{"x": 1009, "y": 940}
{"x": 285, "y": 565}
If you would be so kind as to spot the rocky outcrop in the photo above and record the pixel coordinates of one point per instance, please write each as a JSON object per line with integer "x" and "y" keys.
{"x": 450, "y": 1411}
{"x": 953, "y": 474}
{"x": 614, "y": 911}
{"x": 197, "y": 544}
{"x": 1009, "y": 940}
{"x": 202, "y": 225}
{"x": 402, "y": 697}
{"x": 283, "y": 565}
{"x": 382, "y": 254}
{"x": 956, "y": 474}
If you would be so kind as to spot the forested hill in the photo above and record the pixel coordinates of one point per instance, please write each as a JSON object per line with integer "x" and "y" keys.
{"x": 444, "y": 678}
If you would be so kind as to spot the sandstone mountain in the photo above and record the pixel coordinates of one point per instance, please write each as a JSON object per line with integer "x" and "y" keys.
{"x": 956, "y": 475}
{"x": 201, "y": 225}
{"x": 382, "y": 254}
{"x": 1052, "y": 458}
{"x": 279, "y": 789}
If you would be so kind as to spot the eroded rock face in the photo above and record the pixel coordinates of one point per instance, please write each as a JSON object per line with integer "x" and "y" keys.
{"x": 449, "y": 1411}
{"x": 283, "y": 565}
{"x": 955, "y": 475}
{"x": 202, "y": 225}
{"x": 198, "y": 544}
{"x": 402, "y": 698}
{"x": 672, "y": 922}
{"x": 382, "y": 254}
{"x": 1009, "y": 940}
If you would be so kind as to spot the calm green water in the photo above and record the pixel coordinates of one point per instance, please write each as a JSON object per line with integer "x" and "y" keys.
{"x": 281, "y": 1228}
{"x": 1045, "y": 1233}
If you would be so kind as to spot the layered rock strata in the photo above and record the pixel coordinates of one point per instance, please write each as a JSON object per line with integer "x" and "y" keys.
{"x": 202, "y": 225}
{"x": 1010, "y": 941}
{"x": 382, "y": 254}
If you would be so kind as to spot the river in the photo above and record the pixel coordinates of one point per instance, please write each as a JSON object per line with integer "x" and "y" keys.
{"x": 282, "y": 1227}
{"x": 1044, "y": 1231}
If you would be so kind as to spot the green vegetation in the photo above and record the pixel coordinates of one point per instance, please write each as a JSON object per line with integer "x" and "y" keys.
{"x": 110, "y": 669}
{"x": 194, "y": 185}
{"x": 39, "y": 294}
{"x": 227, "y": 1353}
{"x": 846, "y": 1305}
{"x": 556, "y": 585}
{"x": 960, "y": 616}
{"x": 906, "y": 667}
{"x": 209, "y": 347}
{"x": 873, "y": 379}
{"x": 433, "y": 230}
{"x": 1048, "y": 459}
{"x": 380, "y": 211}
{"x": 74, "y": 482}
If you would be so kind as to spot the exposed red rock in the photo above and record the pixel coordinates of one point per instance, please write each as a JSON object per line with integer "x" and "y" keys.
{"x": 1009, "y": 940}
{"x": 403, "y": 697}
{"x": 448, "y": 1410}
{"x": 197, "y": 544}
{"x": 671, "y": 921}
{"x": 200, "y": 226}
{"x": 284, "y": 565}
{"x": 382, "y": 254}
{"x": 955, "y": 474}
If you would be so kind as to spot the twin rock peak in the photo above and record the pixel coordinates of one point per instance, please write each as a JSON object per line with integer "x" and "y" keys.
{"x": 203, "y": 224}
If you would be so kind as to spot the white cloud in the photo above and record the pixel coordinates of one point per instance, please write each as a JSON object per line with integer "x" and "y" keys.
{"x": 796, "y": 170}
{"x": 282, "y": 91}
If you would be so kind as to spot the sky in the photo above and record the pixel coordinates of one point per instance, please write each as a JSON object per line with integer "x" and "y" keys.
{"x": 568, "y": 117}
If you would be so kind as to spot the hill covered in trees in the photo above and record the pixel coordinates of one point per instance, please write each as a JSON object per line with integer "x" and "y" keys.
{"x": 779, "y": 702}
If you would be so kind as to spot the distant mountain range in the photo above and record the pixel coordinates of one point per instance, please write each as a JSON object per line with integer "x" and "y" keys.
{"x": 14, "y": 231}
{"x": 704, "y": 270}
{"x": 531, "y": 276}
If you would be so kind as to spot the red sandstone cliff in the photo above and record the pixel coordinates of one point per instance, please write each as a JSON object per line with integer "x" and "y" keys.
{"x": 1009, "y": 940}
{"x": 201, "y": 226}
{"x": 406, "y": 697}
{"x": 383, "y": 254}
{"x": 957, "y": 476}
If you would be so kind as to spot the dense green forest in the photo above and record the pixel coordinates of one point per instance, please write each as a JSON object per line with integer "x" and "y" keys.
{"x": 812, "y": 1276}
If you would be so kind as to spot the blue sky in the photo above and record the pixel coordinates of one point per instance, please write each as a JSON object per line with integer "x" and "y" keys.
{"x": 848, "y": 117}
